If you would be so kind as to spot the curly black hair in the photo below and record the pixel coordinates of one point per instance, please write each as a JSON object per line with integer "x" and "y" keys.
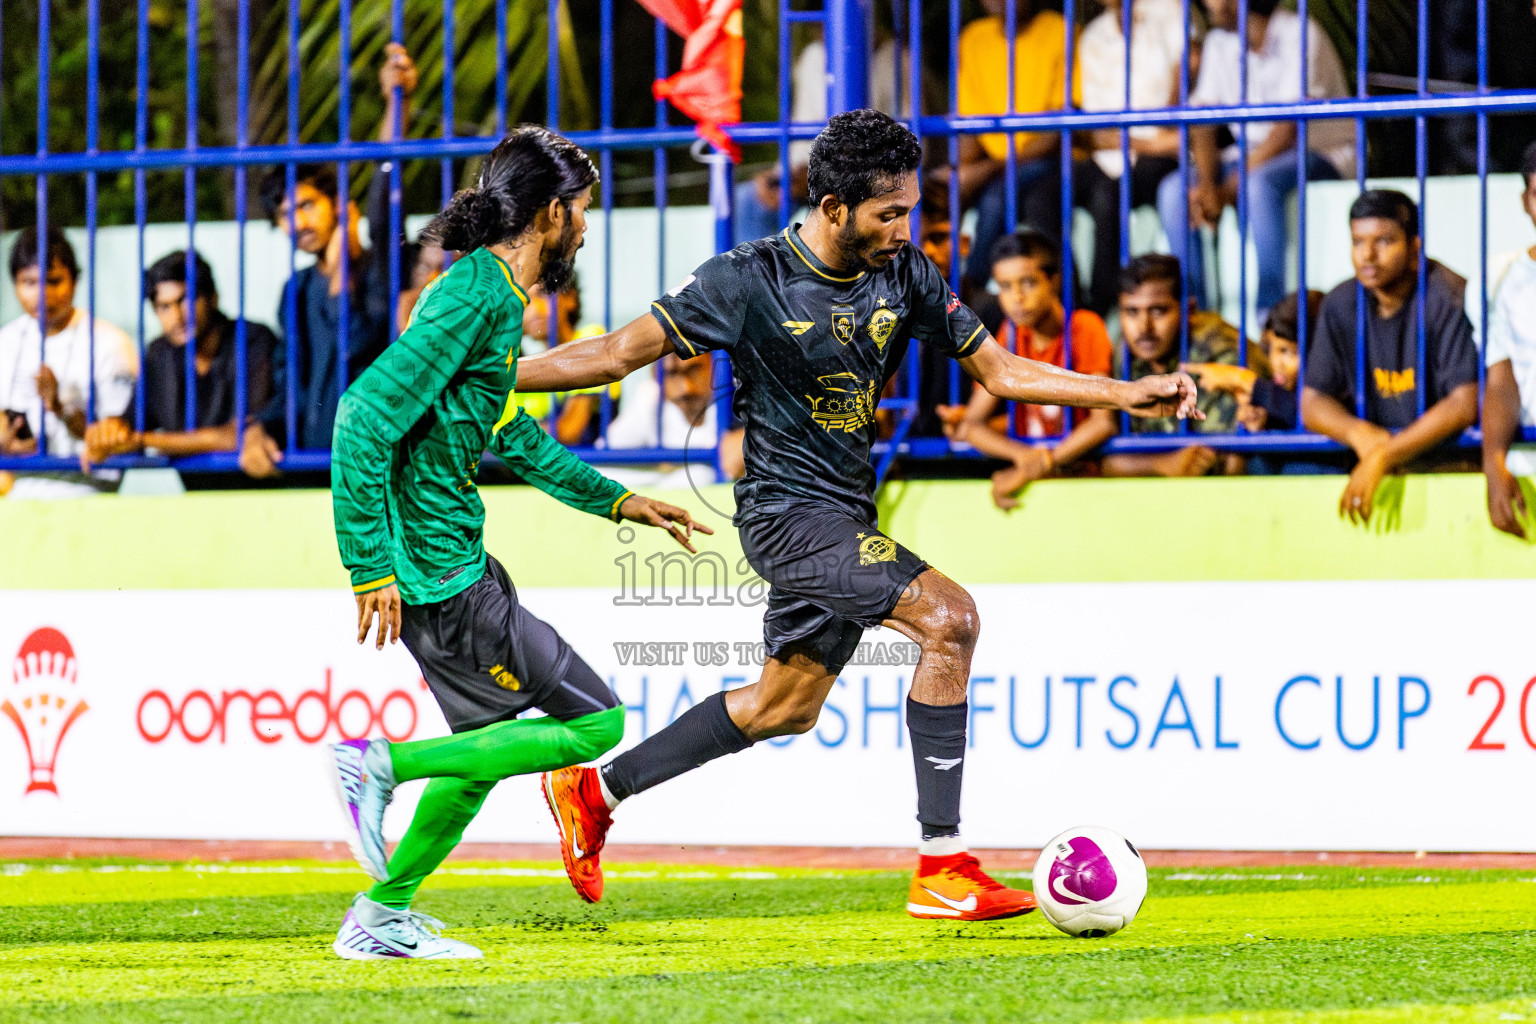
{"x": 526, "y": 171}
{"x": 172, "y": 269}
{"x": 859, "y": 155}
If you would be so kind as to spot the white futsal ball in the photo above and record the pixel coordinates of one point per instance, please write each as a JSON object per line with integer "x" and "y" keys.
{"x": 1090, "y": 882}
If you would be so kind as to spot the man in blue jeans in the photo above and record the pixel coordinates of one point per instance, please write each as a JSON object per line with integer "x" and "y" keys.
{"x": 1274, "y": 76}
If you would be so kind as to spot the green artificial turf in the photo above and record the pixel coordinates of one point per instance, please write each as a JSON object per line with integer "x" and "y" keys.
{"x": 127, "y": 941}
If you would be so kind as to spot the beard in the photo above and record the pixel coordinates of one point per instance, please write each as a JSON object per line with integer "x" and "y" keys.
{"x": 859, "y": 251}
{"x": 559, "y": 261}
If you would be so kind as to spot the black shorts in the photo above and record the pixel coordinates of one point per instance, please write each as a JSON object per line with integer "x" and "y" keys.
{"x": 832, "y": 576}
{"x": 487, "y": 658}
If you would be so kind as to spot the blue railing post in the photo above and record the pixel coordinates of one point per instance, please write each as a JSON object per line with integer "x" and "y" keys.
{"x": 847, "y": 55}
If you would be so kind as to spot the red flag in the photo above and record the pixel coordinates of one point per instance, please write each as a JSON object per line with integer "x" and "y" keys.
{"x": 708, "y": 87}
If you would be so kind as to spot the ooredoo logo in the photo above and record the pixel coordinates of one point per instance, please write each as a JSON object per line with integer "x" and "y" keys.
{"x": 44, "y": 704}
{"x": 203, "y": 715}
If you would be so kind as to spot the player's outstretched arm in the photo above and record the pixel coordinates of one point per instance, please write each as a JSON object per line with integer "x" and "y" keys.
{"x": 1027, "y": 380}
{"x": 594, "y": 361}
{"x": 551, "y": 467}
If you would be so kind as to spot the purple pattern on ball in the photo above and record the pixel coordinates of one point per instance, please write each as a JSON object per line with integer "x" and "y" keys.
{"x": 1083, "y": 876}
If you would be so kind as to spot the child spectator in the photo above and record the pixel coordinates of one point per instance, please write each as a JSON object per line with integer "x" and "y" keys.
{"x": 1509, "y": 402}
{"x": 165, "y": 371}
{"x": 316, "y": 211}
{"x": 1152, "y": 321}
{"x": 57, "y": 373}
{"x": 1027, "y": 270}
{"x": 1391, "y": 434}
{"x": 1267, "y": 401}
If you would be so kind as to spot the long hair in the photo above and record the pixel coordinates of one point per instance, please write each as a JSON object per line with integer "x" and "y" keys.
{"x": 527, "y": 170}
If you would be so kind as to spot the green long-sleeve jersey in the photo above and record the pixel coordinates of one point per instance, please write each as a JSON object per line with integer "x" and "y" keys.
{"x": 411, "y": 429}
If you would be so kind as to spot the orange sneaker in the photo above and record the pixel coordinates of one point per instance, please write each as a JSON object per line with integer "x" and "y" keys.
{"x": 954, "y": 888}
{"x": 581, "y": 814}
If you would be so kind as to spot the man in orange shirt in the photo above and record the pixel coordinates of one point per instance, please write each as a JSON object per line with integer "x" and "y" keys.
{"x": 1027, "y": 269}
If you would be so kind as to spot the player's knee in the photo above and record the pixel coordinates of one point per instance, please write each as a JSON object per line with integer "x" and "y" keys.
{"x": 596, "y": 734}
{"x": 954, "y": 622}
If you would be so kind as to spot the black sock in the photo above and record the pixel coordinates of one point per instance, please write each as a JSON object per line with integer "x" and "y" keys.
{"x": 938, "y": 756}
{"x": 703, "y": 733}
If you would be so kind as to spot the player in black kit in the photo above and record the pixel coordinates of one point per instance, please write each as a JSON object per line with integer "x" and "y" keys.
{"x": 816, "y": 320}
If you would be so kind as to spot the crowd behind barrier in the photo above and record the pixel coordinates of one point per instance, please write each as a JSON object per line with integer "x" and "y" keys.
{"x": 1048, "y": 141}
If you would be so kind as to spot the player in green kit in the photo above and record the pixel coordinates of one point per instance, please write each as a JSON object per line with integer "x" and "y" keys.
{"x": 409, "y": 436}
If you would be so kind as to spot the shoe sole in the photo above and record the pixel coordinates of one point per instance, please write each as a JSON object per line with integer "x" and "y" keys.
{"x": 348, "y": 953}
{"x": 354, "y": 835}
{"x": 926, "y": 913}
{"x": 546, "y": 783}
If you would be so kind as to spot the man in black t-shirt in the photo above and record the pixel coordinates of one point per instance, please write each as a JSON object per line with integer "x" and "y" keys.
{"x": 816, "y": 320}
{"x": 211, "y": 337}
{"x": 1386, "y": 249}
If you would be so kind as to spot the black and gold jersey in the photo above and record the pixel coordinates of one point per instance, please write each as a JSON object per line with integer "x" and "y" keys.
{"x": 811, "y": 349}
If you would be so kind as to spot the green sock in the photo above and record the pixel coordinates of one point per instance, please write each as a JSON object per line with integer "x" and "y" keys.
{"x": 505, "y": 749}
{"x": 446, "y": 808}
{"x": 462, "y": 769}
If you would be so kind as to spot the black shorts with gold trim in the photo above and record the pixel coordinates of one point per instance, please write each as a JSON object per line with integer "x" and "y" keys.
{"x": 832, "y": 576}
{"x": 487, "y": 658}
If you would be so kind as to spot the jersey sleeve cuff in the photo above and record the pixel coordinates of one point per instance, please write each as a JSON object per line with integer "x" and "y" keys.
{"x": 684, "y": 348}
{"x": 971, "y": 344}
{"x": 613, "y": 510}
{"x": 371, "y": 582}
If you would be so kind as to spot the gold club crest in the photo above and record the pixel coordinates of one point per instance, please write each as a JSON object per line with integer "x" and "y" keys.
{"x": 881, "y": 326}
{"x": 844, "y": 323}
{"x": 876, "y": 548}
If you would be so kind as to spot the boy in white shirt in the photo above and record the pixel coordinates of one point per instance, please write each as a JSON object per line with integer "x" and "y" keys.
{"x": 1509, "y": 400}
{"x": 46, "y": 385}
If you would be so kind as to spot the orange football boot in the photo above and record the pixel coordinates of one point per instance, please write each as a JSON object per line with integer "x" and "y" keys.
{"x": 954, "y": 888}
{"x": 581, "y": 814}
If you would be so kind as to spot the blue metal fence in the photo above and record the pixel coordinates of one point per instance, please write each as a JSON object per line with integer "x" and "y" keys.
{"x": 847, "y": 30}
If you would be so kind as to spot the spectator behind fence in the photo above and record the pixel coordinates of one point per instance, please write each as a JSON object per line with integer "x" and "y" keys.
{"x": 1157, "y": 54}
{"x": 935, "y": 236}
{"x": 165, "y": 372}
{"x": 686, "y": 420}
{"x": 57, "y": 374}
{"x": 580, "y": 415}
{"x": 315, "y": 291}
{"x": 1039, "y": 51}
{"x": 1386, "y": 249}
{"x": 1509, "y": 402}
{"x": 1274, "y": 76}
{"x": 1026, "y": 267}
{"x": 1152, "y": 321}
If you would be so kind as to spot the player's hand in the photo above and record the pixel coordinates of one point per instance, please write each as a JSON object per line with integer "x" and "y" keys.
{"x": 1506, "y": 504}
{"x": 259, "y": 454}
{"x": 108, "y": 437}
{"x": 1164, "y": 394}
{"x": 398, "y": 71}
{"x": 674, "y": 520}
{"x": 1355, "y": 502}
{"x": 384, "y": 604}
